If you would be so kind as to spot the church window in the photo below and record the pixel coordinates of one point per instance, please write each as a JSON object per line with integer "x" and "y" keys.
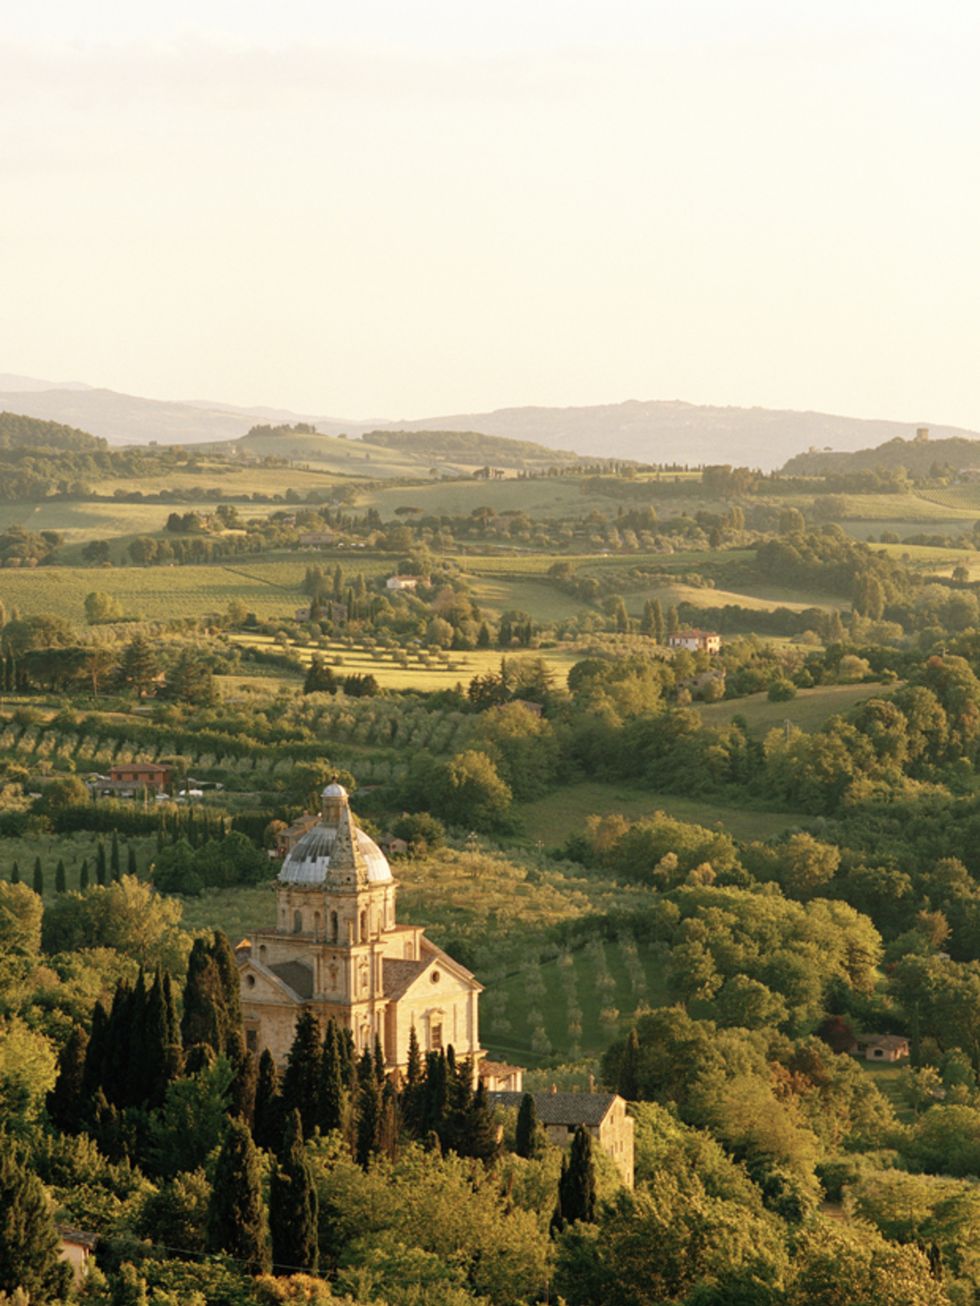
{"x": 250, "y": 981}
{"x": 316, "y": 923}
{"x": 251, "y": 1038}
{"x": 435, "y": 1036}
{"x": 364, "y": 927}
{"x": 435, "y": 977}
{"x": 333, "y": 926}
{"x": 297, "y": 922}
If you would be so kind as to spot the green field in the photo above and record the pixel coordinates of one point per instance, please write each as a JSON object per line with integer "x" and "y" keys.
{"x": 418, "y": 669}
{"x": 269, "y": 585}
{"x": 72, "y": 849}
{"x": 808, "y": 710}
{"x": 550, "y": 820}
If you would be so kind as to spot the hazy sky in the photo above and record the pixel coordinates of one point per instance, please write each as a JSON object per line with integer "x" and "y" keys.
{"x": 400, "y": 207}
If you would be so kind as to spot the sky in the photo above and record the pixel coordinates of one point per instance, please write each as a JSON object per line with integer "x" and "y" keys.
{"x": 400, "y": 208}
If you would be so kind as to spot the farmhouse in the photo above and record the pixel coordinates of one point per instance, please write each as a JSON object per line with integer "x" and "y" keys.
{"x": 338, "y": 951}
{"x": 130, "y": 780}
{"x": 696, "y": 641}
{"x": 402, "y": 582}
{"x": 76, "y": 1246}
{"x": 884, "y": 1047}
{"x": 602, "y": 1114}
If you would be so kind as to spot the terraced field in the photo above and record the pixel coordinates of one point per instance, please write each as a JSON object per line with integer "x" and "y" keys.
{"x": 418, "y": 669}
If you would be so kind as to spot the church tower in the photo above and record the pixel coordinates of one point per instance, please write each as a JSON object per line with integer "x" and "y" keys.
{"x": 337, "y": 950}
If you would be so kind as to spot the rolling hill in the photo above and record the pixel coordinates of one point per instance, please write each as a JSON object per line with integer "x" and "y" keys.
{"x": 661, "y": 431}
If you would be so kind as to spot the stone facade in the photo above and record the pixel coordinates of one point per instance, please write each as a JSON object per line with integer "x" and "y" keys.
{"x": 603, "y": 1115}
{"x": 337, "y": 949}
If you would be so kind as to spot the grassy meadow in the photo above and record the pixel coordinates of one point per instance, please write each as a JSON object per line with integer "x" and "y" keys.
{"x": 808, "y": 710}
{"x": 550, "y": 820}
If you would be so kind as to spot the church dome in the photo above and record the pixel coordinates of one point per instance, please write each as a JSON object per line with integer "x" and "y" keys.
{"x": 309, "y": 859}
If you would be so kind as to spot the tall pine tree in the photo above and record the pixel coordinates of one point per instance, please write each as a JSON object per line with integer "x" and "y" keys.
{"x": 83, "y": 875}
{"x": 60, "y": 880}
{"x": 114, "y": 864}
{"x": 38, "y": 877}
{"x": 293, "y": 1206}
{"x": 101, "y": 864}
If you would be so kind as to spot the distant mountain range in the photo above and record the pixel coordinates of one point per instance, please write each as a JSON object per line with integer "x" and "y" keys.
{"x": 641, "y": 430}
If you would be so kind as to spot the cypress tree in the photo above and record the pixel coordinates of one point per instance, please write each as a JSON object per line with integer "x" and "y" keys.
{"x": 66, "y": 1100}
{"x": 478, "y": 1135}
{"x": 627, "y": 1083}
{"x": 131, "y": 861}
{"x": 390, "y": 1128}
{"x": 60, "y": 882}
{"x": 101, "y": 865}
{"x": 435, "y": 1095}
{"x": 414, "y": 1088}
{"x": 204, "y": 1017}
{"x": 114, "y": 863}
{"x": 659, "y": 628}
{"x": 576, "y": 1185}
{"x": 301, "y": 1082}
{"x": 83, "y": 875}
{"x": 348, "y": 1059}
{"x": 15, "y": 874}
{"x": 236, "y": 1214}
{"x": 161, "y": 1056}
{"x": 379, "y": 1062}
{"x": 244, "y": 1087}
{"x": 527, "y": 1140}
{"x": 267, "y": 1119}
{"x": 368, "y": 1110}
{"x": 95, "y": 1053}
{"x": 29, "y": 1243}
{"x": 233, "y": 1032}
{"x": 131, "y": 1042}
{"x": 293, "y": 1205}
{"x": 330, "y": 1106}
{"x": 38, "y": 877}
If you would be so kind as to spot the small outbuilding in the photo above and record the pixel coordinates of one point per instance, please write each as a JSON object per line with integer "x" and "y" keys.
{"x": 884, "y": 1047}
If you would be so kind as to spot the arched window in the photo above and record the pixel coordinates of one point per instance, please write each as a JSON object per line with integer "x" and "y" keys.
{"x": 297, "y": 922}
{"x": 333, "y": 926}
{"x": 316, "y": 923}
{"x": 364, "y": 929}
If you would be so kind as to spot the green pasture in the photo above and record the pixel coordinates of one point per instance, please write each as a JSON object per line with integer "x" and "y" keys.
{"x": 550, "y": 820}
{"x": 808, "y": 710}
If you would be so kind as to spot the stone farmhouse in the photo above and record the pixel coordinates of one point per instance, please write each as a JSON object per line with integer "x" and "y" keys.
{"x": 602, "y": 1114}
{"x": 696, "y": 641}
{"x": 337, "y": 949}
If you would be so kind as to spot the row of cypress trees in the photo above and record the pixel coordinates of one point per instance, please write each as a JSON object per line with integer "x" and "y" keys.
{"x": 333, "y": 1090}
{"x": 108, "y": 866}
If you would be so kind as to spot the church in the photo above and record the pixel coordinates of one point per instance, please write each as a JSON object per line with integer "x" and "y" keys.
{"x": 337, "y": 950}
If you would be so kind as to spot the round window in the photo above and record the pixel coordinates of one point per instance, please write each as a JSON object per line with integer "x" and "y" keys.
{"x": 250, "y": 981}
{"x": 435, "y": 977}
